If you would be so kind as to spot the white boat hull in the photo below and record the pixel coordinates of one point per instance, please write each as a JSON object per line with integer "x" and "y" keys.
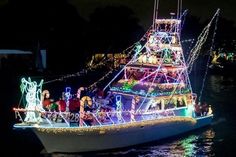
{"x": 76, "y": 139}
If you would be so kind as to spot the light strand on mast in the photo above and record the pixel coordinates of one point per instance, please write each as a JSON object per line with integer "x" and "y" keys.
{"x": 208, "y": 60}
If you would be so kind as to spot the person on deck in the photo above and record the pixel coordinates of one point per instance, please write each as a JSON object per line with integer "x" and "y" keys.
{"x": 46, "y": 101}
{"x": 62, "y": 103}
{"x": 197, "y": 109}
{"x": 205, "y": 109}
{"x": 74, "y": 105}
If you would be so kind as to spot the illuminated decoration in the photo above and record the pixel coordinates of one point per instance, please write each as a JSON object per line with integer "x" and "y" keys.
{"x": 216, "y": 16}
{"x": 111, "y": 128}
{"x": 151, "y": 59}
{"x": 190, "y": 110}
{"x": 33, "y": 99}
{"x": 85, "y": 101}
{"x": 132, "y": 60}
{"x": 135, "y": 100}
{"x": 68, "y": 96}
{"x": 119, "y": 108}
{"x": 173, "y": 40}
{"x": 79, "y": 92}
{"x": 194, "y": 53}
{"x": 138, "y": 47}
{"x": 215, "y": 58}
{"x": 230, "y": 57}
{"x": 129, "y": 84}
{"x": 151, "y": 94}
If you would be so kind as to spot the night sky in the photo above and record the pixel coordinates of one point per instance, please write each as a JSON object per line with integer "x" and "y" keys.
{"x": 203, "y": 9}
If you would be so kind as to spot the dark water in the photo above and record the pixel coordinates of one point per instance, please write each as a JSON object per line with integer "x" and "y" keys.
{"x": 216, "y": 140}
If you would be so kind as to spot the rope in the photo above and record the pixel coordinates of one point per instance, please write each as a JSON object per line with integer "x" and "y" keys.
{"x": 121, "y": 70}
{"x": 93, "y": 67}
{"x": 158, "y": 68}
{"x": 184, "y": 17}
{"x": 201, "y": 40}
{"x": 208, "y": 61}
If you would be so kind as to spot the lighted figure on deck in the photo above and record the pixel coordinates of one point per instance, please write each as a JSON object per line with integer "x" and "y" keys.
{"x": 119, "y": 108}
{"x": 67, "y": 97}
{"x": 230, "y": 57}
{"x": 33, "y": 99}
{"x": 177, "y": 57}
{"x": 138, "y": 47}
{"x": 129, "y": 85}
{"x": 135, "y": 100}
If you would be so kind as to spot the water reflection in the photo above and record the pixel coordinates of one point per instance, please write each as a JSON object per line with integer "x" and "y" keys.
{"x": 219, "y": 83}
{"x": 196, "y": 144}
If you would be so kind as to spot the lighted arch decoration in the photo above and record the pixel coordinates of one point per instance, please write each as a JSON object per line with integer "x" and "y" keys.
{"x": 85, "y": 100}
{"x": 79, "y": 92}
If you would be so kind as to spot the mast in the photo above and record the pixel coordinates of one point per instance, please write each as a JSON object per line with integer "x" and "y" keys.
{"x": 158, "y": 71}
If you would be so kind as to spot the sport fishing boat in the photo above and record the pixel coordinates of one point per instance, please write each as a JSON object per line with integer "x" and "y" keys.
{"x": 149, "y": 99}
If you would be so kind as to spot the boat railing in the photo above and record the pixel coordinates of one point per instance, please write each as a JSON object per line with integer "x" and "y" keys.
{"x": 53, "y": 118}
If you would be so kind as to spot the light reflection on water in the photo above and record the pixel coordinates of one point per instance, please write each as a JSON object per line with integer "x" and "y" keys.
{"x": 196, "y": 144}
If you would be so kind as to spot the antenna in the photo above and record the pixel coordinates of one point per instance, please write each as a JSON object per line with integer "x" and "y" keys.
{"x": 155, "y": 13}
{"x": 179, "y": 9}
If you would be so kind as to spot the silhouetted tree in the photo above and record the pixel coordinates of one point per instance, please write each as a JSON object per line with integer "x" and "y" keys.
{"x": 55, "y": 24}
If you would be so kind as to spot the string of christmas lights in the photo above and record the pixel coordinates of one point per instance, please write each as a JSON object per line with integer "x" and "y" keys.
{"x": 117, "y": 127}
{"x": 208, "y": 60}
{"x": 101, "y": 63}
{"x": 194, "y": 53}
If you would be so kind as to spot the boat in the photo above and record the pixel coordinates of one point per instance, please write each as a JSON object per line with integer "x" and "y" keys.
{"x": 149, "y": 99}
